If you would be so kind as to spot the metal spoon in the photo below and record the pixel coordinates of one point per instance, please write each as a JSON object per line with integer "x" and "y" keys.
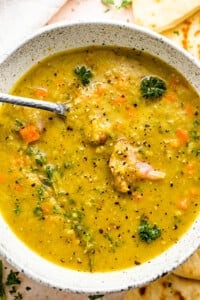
{"x": 59, "y": 108}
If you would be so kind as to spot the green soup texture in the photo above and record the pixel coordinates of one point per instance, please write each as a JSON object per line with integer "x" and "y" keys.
{"x": 116, "y": 182}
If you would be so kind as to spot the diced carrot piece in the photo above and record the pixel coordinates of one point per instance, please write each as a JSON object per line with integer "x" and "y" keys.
{"x": 190, "y": 167}
{"x": 18, "y": 161}
{"x": 170, "y": 97}
{"x": 121, "y": 85}
{"x": 119, "y": 100}
{"x": 18, "y": 187}
{"x": 188, "y": 110}
{"x": 46, "y": 207}
{"x": 117, "y": 125}
{"x": 100, "y": 90}
{"x": 30, "y": 133}
{"x": 2, "y": 178}
{"x": 41, "y": 92}
{"x": 136, "y": 197}
{"x": 183, "y": 204}
{"x": 130, "y": 111}
{"x": 182, "y": 135}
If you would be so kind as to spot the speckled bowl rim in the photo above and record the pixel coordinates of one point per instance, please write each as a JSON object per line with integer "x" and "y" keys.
{"x": 108, "y": 33}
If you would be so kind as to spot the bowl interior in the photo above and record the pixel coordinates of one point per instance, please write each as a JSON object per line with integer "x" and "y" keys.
{"x": 61, "y": 37}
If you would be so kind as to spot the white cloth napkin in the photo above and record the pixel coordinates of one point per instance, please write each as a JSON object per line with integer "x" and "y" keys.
{"x": 19, "y": 18}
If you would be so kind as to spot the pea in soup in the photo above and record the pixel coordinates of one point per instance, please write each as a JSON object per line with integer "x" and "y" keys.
{"x": 114, "y": 184}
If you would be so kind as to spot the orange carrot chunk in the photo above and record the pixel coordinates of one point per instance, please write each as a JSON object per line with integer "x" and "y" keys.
{"x": 2, "y": 178}
{"x": 30, "y": 133}
{"x": 170, "y": 97}
{"x": 190, "y": 168}
{"x": 183, "y": 204}
{"x": 41, "y": 92}
{"x": 182, "y": 135}
{"x": 119, "y": 101}
{"x": 18, "y": 188}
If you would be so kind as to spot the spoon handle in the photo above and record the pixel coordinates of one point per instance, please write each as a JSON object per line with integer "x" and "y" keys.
{"x": 58, "y": 108}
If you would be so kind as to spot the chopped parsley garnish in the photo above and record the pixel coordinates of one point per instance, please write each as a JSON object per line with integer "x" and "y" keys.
{"x": 125, "y": 3}
{"x": 47, "y": 181}
{"x": 18, "y": 296}
{"x": 49, "y": 171}
{"x": 148, "y": 233}
{"x": 196, "y": 152}
{"x": 68, "y": 165}
{"x": 17, "y": 209}
{"x": 108, "y": 2}
{"x": 40, "y": 192}
{"x": 30, "y": 151}
{"x": 83, "y": 74}
{"x": 40, "y": 159}
{"x": 82, "y": 232}
{"x": 18, "y": 124}
{"x": 194, "y": 133}
{"x": 94, "y": 297}
{"x": 13, "y": 278}
{"x": 176, "y": 32}
{"x": 152, "y": 87}
{"x": 2, "y": 291}
{"x": 38, "y": 212}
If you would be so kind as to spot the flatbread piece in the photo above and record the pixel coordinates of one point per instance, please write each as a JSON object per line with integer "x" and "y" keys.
{"x": 187, "y": 34}
{"x": 160, "y": 15}
{"x": 191, "y": 268}
{"x": 170, "y": 287}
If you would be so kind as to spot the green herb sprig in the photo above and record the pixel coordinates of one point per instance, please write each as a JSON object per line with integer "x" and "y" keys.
{"x": 13, "y": 278}
{"x": 94, "y": 297}
{"x": 148, "y": 233}
{"x": 108, "y": 2}
{"x": 152, "y": 87}
{"x": 83, "y": 74}
{"x": 123, "y": 4}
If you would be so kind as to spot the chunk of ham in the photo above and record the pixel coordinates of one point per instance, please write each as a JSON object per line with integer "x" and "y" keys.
{"x": 126, "y": 168}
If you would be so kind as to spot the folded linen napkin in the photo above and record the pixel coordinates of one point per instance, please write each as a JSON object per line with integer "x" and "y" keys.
{"x": 18, "y": 18}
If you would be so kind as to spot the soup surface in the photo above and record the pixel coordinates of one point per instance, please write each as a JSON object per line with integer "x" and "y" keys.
{"x": 115, "y": 183}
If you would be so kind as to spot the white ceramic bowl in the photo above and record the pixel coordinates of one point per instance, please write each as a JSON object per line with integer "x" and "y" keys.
{"x": 61, "y": 37}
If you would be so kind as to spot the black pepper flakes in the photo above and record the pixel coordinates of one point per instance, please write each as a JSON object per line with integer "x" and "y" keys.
{"x": 175, "y": 227}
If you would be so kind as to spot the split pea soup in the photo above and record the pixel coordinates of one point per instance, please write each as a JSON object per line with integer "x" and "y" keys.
{"x": 117, "y": 181}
